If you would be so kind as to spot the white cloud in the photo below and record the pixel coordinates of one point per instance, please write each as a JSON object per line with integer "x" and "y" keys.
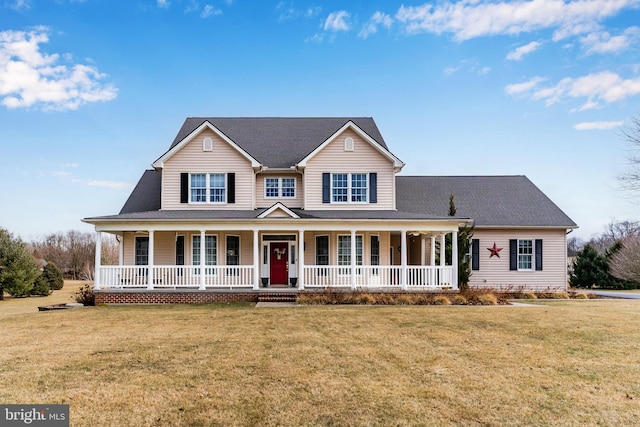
{"x": 288, "y": 11}
{"x": 114, "y": 185}
{"x": 604, "y": 87}
{"x": 598, "y": 125}
{"x": 603, "y": 42}
{"x": 29, "y": 77}
{"x": 518, "y": 88}
{"x": 163, "y": 4}
{"x": 20, "y": 4}
{"x": 519, "y": 53}
{"x": 469, "y": 19}
{"x": 378, "y": 19}
{"x": 448, "y": 71}
{"x": 209, "y": 10}
{"x": 337, "y": 21}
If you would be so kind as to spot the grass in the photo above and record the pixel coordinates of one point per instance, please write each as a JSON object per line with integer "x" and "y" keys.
{"x": 567, "y": 362}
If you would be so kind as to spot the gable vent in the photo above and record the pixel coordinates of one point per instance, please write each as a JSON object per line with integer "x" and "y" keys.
{"x": 348, "y": 144}
{"x": 207, "y": 144}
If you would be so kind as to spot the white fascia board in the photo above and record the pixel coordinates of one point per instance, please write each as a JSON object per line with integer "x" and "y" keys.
{"x": 159, "y": 164}
{"x": 278, "y": 205}
{"x": 397, "y": 163}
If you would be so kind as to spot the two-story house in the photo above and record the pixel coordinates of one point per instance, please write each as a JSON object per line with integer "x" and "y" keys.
{"x": 237, "y": 206}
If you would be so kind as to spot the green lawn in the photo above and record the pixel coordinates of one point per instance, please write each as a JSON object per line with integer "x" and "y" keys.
{"x": 571, "y": 362}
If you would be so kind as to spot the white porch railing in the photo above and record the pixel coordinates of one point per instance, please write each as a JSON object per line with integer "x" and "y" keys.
{"x": 242, "y": 276}
{"x": 175, "y": 276}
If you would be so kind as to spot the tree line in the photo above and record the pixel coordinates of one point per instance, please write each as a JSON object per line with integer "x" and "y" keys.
{"x": 40, "y": 266}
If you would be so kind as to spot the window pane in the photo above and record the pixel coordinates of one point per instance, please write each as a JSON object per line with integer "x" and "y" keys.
{"x": 233, "y": 250}
{"x": 217, "y": 188}
{"x": 339, "y": 187}
{"x": 271, "y": 187}
{"x": 198, "y": 187}
{"x": 288, "y": 187}
{"x": 525, "y": 254}
{"x": 195, "y": 250}
{"x": 344, "y": 250}
{"x": 359, "y": 187}
{"x": 375, "y": 250}
{"x": 322, "y": 250}
{"x": 211, "y": 250}
{"x": 142, "y": 251}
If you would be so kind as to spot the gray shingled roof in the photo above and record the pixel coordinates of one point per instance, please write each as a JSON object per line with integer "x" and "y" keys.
{"x": 279, "y": 142}
{"x": 489, "y": 200}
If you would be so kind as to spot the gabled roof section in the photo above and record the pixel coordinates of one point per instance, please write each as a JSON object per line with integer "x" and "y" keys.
{"x": 492, "y": 201}
{"x": 146, "y": 194}
{"x": 176, "y": 146}
{"x": 397, "y": 163}
{"x": 278, "y": 207}
{"x": 280, "y": 142}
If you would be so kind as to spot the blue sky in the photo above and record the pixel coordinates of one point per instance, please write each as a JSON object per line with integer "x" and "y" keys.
{"x": 93, "y": 91}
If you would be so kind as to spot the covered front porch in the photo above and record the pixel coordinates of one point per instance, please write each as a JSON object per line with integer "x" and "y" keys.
{"x": 273, "y": 256}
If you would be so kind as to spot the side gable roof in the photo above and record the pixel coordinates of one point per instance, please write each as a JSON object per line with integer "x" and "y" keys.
{"x": 146, "y": 194}
{"x": 279, "y": 142}
{"x": 501, "y": 201}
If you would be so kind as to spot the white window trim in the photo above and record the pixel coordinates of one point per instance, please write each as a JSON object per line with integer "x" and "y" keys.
{"x": 315, "y": 259}
{"x": 280, "y": 188}
{"x": 207, "y": 144}
{"x": 349, "y": 144}
{"x": 226, "y": 254}
{"x": 208, "y": 267}
{"x": 532, "y": 255}
{"x": 350, "y": 188}
{"x": 358, "y": 270}
{"x": 208, "y": 188}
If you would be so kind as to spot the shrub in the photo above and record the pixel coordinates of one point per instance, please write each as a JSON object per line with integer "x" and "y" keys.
{"x": 441, "y": 300}
{"x": 41, "y": 287}
{"x": 366, "y": 299}
{"x": 487, "y": 299}
{"x": 561, "y": 295}
{"x": 385, "y": 299}
{"x": 529, "y": 295}
{"x": 405, "y": 299}
{"x": 85, "y": 295}
{"x": 53, "y": 276}
{"x": 459, "y": 300}
{"x": 580, "y": 295}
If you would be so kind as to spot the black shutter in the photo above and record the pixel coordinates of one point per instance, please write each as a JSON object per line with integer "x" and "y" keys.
{"x": 538, "y": 254}
{"x": 475, "y": 254}
{"x": 513, "y": 254}
{"x": 373, "y": 187}
{"x": 326, "y": 187}
{"x": 231, "y": 183}
{"x": 184, "y": 188}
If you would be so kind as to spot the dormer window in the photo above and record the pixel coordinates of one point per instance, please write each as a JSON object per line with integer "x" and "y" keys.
{"x": 348, "y": 144}
{"x": 207, "y": 144}
{"x": 280, "y": 187}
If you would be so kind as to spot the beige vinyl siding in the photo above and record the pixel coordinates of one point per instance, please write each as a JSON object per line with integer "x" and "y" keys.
{"x": 494, "y": 272}
{"x": 363, "y": 159}
{"x": 222, "y": 159}
{"x": 265, "y": 202}
{"x": 310, "y": 244}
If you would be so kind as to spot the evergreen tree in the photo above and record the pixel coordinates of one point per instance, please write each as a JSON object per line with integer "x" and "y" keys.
{"x": 53, "y": 276}
{"x": 19, "y": 270}
{"x": 590, "y": 270}
{"x": 465, "y": 234}
{"x": 40, "y": 287}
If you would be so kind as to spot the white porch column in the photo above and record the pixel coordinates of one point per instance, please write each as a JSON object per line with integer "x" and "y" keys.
{"x": 353, "y": 259}
{"x": 432, "y": 261}
{"x": 256, "y": 260}
{"x": 403, "y": 258}
{"x": 96, "y": 273}
{"x": 202, "y": 255}
{"x": 443, "y": 251}
{"x": 454, "y": 259}
{"x": 120, "y": 249}
{"x": 301, "y": 259}
{"x": 150, "y": 261}
{"x": 423, "y": 249}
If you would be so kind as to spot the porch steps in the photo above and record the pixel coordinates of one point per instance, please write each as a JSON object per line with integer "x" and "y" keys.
{"x": 278, "y": 297}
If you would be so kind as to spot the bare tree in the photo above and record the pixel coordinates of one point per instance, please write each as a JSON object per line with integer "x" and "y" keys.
{"x": 625, "y": 263}
{"x": 631, "y": 178}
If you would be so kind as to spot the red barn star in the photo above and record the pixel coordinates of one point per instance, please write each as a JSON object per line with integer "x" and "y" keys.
{"x": 495, "y": 250}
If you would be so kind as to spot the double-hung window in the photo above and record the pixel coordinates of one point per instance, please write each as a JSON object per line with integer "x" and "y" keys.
{"x": 349, "y": 187}
{"x": 344, "y": 252}
{"x": 525, "y": 254}
{"x": 280, "y": 187}
{"x": 322, "y": 254}
{"x": 208, "y": 188}
{"x": 210, "y": 252}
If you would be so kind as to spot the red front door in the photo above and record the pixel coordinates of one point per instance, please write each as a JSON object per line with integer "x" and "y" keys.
{"x": 279, "y": 265}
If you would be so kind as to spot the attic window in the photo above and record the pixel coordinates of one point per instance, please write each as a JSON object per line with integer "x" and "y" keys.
{"x": 348, "y": 144}
{"x": 207, "y": 144}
